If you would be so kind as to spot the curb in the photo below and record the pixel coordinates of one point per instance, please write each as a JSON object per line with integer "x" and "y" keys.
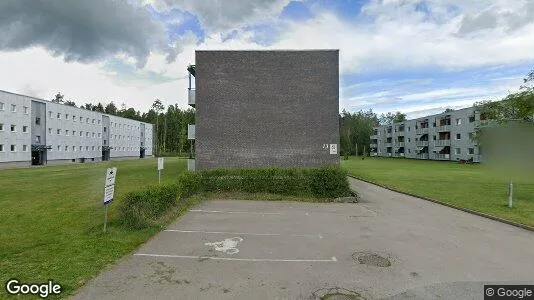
{"x": 467, "y": 210}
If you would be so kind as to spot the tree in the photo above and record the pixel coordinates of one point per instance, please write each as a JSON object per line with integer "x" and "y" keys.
{"x": 355, "y": 131}
{"x": 158, "y": 107}
{"x": 70, "y": 103}
{"x": 58, "y": 98}
{"x": 390, "y": 118}
{"x": 111, "y": 109}
{"x": 448, "y": 110}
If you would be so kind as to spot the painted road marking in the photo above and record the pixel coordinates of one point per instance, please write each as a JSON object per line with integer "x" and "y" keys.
{"x": 245, "y": 233}
{"x": 332, "y": 259}
{"x": 234, "y": 212}
{"x": 228, "y": 246}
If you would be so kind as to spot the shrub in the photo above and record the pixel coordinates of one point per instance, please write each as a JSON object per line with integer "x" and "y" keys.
{"x": 143, "y": 208}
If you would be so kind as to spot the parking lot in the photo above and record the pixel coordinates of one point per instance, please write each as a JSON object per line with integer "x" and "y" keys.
{"x": 388, "y": 245}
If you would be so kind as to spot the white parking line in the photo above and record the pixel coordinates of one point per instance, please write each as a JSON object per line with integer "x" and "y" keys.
{"x": 235, "y": 212}
{"x": 246, "y": 233}
{"x": 332, "y": 259}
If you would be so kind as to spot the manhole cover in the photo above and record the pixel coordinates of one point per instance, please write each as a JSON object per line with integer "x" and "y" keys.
{"x": 371, "y": 259}
{"x": 337, "y": 294}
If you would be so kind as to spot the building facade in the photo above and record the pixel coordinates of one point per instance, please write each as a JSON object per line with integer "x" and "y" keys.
{"x": 37, "y": 132}
{"x": 445, "y": 136}
{"x": 265, "y": 108}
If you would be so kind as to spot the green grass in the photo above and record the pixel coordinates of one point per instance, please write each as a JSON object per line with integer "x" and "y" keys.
{"x": 476, "y": 187}
{"x": 52, "y": 220}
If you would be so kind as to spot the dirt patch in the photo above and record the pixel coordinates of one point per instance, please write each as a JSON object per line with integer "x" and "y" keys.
{"x": 337, "y": 293}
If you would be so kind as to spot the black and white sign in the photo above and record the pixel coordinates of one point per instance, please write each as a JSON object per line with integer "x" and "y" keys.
{"x": 109, "y": 188}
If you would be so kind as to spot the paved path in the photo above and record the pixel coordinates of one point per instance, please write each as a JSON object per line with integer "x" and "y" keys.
{"x": 288, "y": 250}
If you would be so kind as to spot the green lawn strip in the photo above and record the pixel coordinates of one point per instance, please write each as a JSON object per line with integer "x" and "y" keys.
{"x": 475, "y": 187}
{"x": 52, "y": 218}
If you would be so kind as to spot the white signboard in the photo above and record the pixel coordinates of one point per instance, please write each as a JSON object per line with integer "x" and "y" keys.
{"x": 333, "y": 148}
{"x": 109, "y": 188}
{"x": 160, "y": 163}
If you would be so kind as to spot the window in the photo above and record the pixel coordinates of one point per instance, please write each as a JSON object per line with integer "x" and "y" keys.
{"x": 66, "y": 116}
{"x": 50, "y": 114}
{"x": 93, "y": 134}
{"x": 38, "y": 121}
{"x": 99, "y": 134}
{"x": 434, "y": 138}
{"x": 66, "y": 132}
{"x": 13, "y": 148}
{"x": 471, "y": 119}
{"x": 38, "y": 139}
{"x": 86, "y": 148}
{"x": 104, "y": 129}
{"x": 73, "y": 118}
{"x": 13, "y": 109}
{"x": 471, "y": 135}
{"x": 24, "y": 128}
{"x": 98, "y": 122}
{"x": 1, "y": 127}
{"x": 81, "y": 133}
{"x": 81, "y": 119}
{"x": 25, "y": 109}
{"x": 74, "y": 148}
{"x": 93, "y": 122}
{"x": 458, "y": 136}
{"x": 87, "y": 133}
{"x": 24, "y": 148}
{"x": 73, "y": 132}
{"x": 93, "y": 148}
{"x": 1, "y": 148}
{"x": 81, "y": 148}
{"x": 409, "y": 150}
{"x": 58, "y": 148}
{"x": 66, "y": 148}
{"x": 50, "y": 130}
{"x": 409, "y": 140}
{"x": 458, "y": 151}
{"x": 87, "y": 120}
{"x": 99, "y": 148}
{"x": 13, "y": 128}
{"x": 1, "y": 105}
{"x": 458, "y": 121}
{"x": 471, "y": 150}
{"x": 58, "y": 115}
{"x": 105, "y": 142}
{"x": 58, "y": 131}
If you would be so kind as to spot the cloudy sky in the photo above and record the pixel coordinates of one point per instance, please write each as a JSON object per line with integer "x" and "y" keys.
{"x": 415, "y": 56}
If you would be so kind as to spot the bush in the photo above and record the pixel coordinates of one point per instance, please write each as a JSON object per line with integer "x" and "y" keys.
{"x": 145, "y": 207}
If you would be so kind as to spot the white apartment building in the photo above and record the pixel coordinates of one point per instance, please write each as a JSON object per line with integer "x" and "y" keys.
{"x": 36, "y": 131}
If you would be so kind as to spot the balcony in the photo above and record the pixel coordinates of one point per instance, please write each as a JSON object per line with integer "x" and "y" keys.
{"x": 443, "y": 128}
{"x": 191, "y": 131}
{"x": 374, "y": 137}
{"x": 421, "y": 130}
{"x": 191, "y": 93}
{"x": 442, "y": 143}
{"x": 421, "y": 156}
{"x": 388, "y": 144}
{"x": 399, "y": 144}
{"x": 421, "y": 143}
{"x": 440, "y": 156}
{"x": 374, "y": 145}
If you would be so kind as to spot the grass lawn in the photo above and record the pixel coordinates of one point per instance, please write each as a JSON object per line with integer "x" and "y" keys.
{"x": 52, "y": 220}
{"x": 476, "y": 187}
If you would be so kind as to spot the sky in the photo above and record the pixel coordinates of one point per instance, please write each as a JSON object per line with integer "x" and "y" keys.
{"x": 414, "y": 56}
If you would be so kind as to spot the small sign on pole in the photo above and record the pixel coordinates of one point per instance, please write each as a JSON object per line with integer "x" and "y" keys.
{"x": 109, "y": 191}
{"x": 160, "y": 167}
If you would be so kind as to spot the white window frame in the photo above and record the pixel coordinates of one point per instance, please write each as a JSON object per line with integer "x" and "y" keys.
{"x": 13, "y": 148}
{"x": 25, "y": 128}
{"x": 25, "y": 110}
{"x": 1, "y": 147}
{"x": 24, "y": 148}
{"x": 13, "y": 108}
{"x": 2, "y": 106}
{"x": 13, "y": 128}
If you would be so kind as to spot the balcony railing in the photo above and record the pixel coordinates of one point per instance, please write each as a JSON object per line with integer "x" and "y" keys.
{"x": 421, "y": 143}
{"x": 191, "y": 93}
{"x": 422, "y": 155}
{"x": 388, "y": 144}
{"x": 421, "y": 130}
{"x": 400, "y": 133}
{"x": 440, "y": 156}
{"x": 374, "y": 145}
{"x": 191, "y": 131}
{"x": 388, "y": 134}
{"x": 443, "y": 128}
{"x": 399, "y": 144}
{"x": 399, "y": 154}
{"x": 442, "y": 142}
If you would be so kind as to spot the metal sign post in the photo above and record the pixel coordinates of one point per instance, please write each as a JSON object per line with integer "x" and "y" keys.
{"x": 109, "y": 191}
{"x": 160, "y": 167}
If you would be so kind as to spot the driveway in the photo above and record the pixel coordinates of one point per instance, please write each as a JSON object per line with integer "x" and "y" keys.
{"x": 387, "y": 246}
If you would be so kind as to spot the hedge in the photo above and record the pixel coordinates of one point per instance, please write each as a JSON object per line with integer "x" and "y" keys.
{"x": 143, "y": 208}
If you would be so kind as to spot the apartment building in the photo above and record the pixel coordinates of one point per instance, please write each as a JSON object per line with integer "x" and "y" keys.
{"x": 38, "y": 132}
{"x": 264, "y": 108}
{"x": 445, "y": 136}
